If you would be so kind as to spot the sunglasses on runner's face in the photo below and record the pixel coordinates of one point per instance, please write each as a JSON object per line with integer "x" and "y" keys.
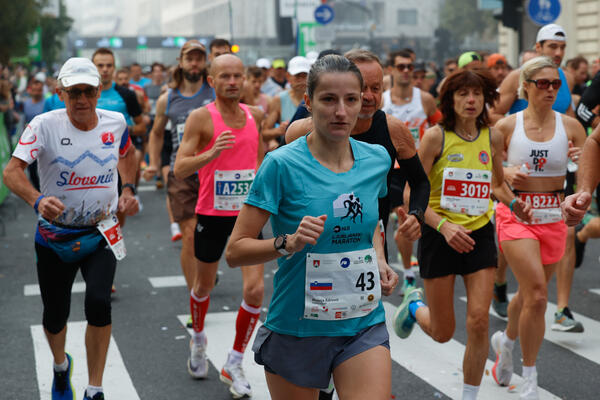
{"x": 544, "y": 84}
{"x": 402, "y": 67}
{"x": 75, "y": 93}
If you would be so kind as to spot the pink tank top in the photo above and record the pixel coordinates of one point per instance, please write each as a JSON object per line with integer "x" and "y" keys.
{"x": 226, "y": 180}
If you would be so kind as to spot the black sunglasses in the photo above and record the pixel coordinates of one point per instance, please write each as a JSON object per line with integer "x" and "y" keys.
{"x": 75, "y": 93}
{"x": 544, "y": 84}
{"x": 402, "y": 67}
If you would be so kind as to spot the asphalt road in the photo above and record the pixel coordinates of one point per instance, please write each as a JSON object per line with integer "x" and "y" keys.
{"x": 153, "y": 345}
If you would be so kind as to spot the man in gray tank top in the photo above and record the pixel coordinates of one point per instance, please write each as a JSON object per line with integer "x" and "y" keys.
{"x": 189, "y": 90}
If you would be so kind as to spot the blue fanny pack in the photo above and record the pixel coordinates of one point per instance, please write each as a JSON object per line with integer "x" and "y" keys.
{"x": 70, "y": 244}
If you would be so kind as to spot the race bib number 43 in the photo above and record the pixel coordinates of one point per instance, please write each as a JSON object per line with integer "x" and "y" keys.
{"x": 231, "y": 189}
{"x": 466, "y": 191}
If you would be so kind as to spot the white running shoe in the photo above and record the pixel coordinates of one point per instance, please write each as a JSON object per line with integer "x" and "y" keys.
{"x": 503, "y": 367}
{"x": 197, "y": 364}
{"x": 233, "y": 375}
{"x": 175, "y": 232}
{"x": 529, "y": 391}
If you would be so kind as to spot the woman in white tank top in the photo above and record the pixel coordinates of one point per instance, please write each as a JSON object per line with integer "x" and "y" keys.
{"x": 537, "y": 141}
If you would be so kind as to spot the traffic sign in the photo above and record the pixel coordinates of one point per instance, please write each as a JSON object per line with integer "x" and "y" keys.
{"x": 543, "y": 12}
{"x": 324, "y": 14}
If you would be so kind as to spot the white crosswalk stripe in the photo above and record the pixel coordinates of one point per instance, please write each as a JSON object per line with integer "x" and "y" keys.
{"x": 118, "y": 384}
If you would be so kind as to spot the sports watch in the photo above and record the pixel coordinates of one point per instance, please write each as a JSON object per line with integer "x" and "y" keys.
{"x": 130, "y": 186}
{"x": 419, "y": 215}
{"x": 279, "y": 243}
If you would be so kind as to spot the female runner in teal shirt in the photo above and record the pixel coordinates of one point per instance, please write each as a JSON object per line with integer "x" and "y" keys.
{"x": 321, "y": 194}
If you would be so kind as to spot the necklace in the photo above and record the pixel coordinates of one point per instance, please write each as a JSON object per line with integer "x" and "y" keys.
{"x": 465, "y": 135}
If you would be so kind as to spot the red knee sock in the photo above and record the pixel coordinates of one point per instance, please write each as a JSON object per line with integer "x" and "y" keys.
{"x": 244, "y": 325}
{"x": 198, "y": 307}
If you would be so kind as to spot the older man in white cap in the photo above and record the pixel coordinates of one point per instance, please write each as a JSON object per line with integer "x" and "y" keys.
{"x": 80, "y": 151}
{"x": 284, "y": 104}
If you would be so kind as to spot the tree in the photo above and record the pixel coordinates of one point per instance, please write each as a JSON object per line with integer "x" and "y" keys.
{"x": 462, "y": 18}
{"x": 53, "y": 30}
{"x": 17, "y": 20}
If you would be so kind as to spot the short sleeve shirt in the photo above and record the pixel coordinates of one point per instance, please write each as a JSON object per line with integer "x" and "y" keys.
{"x": 291, "y": 184}
{"x": 78, "y": 167}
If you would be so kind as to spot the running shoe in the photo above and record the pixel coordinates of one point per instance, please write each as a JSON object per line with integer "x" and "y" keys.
{"x": 97, "y": 396}
{"x": 175, "y": 232}
{"x": 579, "y": 247}
{"x": 529, "y": 388}
{"x": 403, "y": 321}
{"x": 503, "y": 367}
{"x": 232, "y": 374}
{"x": 500, "y": 301}
{"x": 564, "y": 322}
{"x": 197, "y": 364}
{"x": 62, "y": 389}
{"x": 407, "y": 285}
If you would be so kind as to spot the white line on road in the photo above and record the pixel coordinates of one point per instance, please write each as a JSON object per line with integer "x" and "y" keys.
{"x": 596, "y": 291}
{"x": 34, "y": 289}
{"x": 117, "y": 383}
{"x": 167, "y": 281}
{"x": 220, "y": 331}
{"x": 585, "y": 344}
{"x": 440, "y": 365}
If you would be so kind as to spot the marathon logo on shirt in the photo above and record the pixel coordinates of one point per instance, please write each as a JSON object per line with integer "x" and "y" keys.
{"x": 72, "y": 181}
{"x": 108, "y": 139}
{"x": 347, "y": 205}
{"x": 539, "y": 159}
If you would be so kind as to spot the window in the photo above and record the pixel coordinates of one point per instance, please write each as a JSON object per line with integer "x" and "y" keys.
{"x": 407, "y": 16}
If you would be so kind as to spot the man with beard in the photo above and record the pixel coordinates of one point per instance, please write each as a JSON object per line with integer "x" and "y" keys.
{"x": 222, "y": 142}
{"x": 189, "y": 90}
{"x": 376, "y": 127}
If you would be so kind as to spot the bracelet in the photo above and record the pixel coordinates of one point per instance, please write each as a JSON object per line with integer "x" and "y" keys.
{"x": 37, "y": 202}
{"x": 441, "y": 223}
{"x": 512, "y": 203}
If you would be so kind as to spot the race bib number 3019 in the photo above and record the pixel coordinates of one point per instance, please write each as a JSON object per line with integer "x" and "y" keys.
{"x": 231, "y": 188}
{"x": 466, "y": 191}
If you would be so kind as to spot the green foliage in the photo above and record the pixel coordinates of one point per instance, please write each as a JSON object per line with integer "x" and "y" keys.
{"x": 462, "y": 18}
{"x": 17, "y": 20}
{"x": 53, "y": 30}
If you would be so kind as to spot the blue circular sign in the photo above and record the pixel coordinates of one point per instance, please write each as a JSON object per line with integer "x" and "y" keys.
{"x": 324, "y": 14}
{"x": 345, "y": 262}
{"x": 543, "y": 12}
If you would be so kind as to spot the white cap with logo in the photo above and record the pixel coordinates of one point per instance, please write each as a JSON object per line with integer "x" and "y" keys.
{"x": 79, "y": 71}
{"x": 298, "y": 65}
{"x": 263, "y": 63}
{"x": 551, "y": 32}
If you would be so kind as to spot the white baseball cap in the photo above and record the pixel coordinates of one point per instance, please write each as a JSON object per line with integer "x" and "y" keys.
{"x": 551, "y": 32}
{"x": 298, "y": 65}
{"x": 77, "y": 71}
{"x": 40, "y": 77}
{"x": 263, "y": 63}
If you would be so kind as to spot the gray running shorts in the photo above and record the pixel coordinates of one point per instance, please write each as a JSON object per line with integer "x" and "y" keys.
{"x": 309, "y": 361}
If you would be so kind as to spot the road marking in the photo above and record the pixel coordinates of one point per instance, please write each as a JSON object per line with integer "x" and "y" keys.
{"x": 220, "y": 331}
{"x": 585, "y": 344}
{"x": 440, "y": 365}
{"x": 34, "y": 290}
{"x": 117, "y": 383}
{"x": 146, "y": 188}
{"x": 167, "y": 281}
{"x": 596, "y": 291}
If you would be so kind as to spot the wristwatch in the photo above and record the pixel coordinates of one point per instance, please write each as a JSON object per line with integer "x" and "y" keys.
{"x": 279, "y": 243}
{"x": 130, "y": 186}
{"x": 419, "y": 215}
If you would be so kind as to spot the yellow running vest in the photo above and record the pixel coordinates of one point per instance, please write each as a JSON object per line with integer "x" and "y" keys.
{"x": 461, "y": 180}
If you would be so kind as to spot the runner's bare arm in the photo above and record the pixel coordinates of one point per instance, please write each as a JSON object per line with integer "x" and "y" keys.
{"x": 269, "y": 131}
{"x": 244, "y": 248}
{"x": 298, "y": 129}
{"x": 197, "y": 133}
{"x": 428, "y": 104}
{"x": 389, "y": 278}
{"x": 139, "y": 127}
{"x": 401, "y": 138}
{"x": 499, "y": 186}
{"x": 155, "y": 142}
{"x": 127, "y": 167}
{"x": 508, "y": 95}
{"x": 258, "y": 116}
{"x": 15, "y": 179}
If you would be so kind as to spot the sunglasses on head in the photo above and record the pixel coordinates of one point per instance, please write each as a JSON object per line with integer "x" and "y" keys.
{"x": 75, "y": 93}
{"x": 544, "y": 84}
{"x": 402, "y": 67}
